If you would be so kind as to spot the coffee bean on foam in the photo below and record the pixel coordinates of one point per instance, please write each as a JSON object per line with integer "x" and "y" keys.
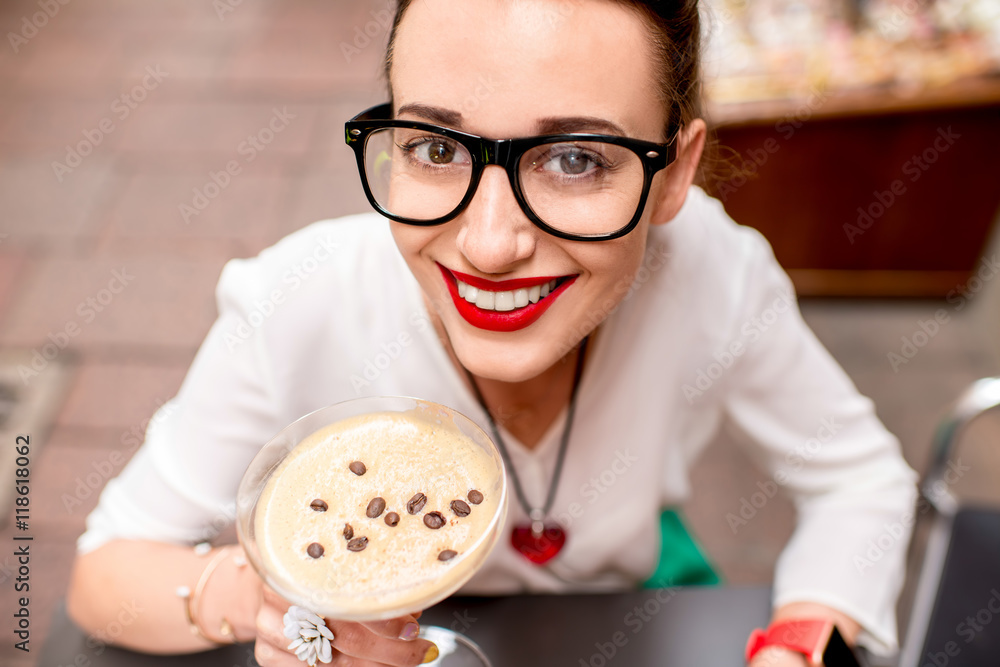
{"x": 357, "y": 544}
{"x": 460, "y": 508}
{"x": 447, "y": 554}
{"x": 319, "y": 505}
{"x": 434, "y": 520}
{"x": 375, "y": 507}
{"x": 348, "y": 531}
{"x": 391, "y": 519}
{"x": 358, "y": 468}
{"x": 315, "y": 550}
{"x": 475, "y": 497}
{"x": 416, "y": 503}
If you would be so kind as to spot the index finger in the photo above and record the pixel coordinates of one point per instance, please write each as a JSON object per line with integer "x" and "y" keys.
{"x": 275, "y": 599}
{"x": 403, "y": 627}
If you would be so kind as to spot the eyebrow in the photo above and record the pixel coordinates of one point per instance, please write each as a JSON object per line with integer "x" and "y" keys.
{"x": 570, "y": 124}
{"x": 550, "y": 125}
{"x": 435, "y": 115}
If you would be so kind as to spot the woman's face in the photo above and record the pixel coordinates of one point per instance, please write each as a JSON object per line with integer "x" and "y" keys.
{"x": 503, "y": 69}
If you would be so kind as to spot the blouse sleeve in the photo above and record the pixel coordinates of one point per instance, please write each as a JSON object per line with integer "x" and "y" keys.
{"x": 820, "y": 441}
{"x": 180, "y": 486}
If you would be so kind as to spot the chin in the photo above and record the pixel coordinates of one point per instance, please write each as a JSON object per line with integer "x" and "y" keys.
{"x": 497, "y": 369}
{"x": 511, "y": 360}
{"x": 507, "y": 360}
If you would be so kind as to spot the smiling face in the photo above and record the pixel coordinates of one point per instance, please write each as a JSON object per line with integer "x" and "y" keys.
{"x": 504, "y": 69}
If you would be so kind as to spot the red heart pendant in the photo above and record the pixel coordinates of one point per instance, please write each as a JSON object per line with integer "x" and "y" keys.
{"x": 539, "y": 549}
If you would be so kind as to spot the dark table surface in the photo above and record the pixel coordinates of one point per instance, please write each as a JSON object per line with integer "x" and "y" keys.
{"x": 694, "y": 627}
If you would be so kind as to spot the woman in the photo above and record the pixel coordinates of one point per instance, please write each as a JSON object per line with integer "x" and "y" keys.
{"x": 588, "y": 255}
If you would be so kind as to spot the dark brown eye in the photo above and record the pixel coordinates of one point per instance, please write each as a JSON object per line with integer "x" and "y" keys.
{"x": 440, "y": 152}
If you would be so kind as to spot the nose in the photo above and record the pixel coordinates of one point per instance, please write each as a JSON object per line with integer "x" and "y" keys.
{"x": 495, "y": 235}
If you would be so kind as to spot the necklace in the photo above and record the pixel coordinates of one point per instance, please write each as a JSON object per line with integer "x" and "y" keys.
{"x": 539, "y": 541}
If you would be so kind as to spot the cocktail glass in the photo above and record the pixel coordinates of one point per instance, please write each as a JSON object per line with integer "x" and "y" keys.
{"x": 417, "y": 594}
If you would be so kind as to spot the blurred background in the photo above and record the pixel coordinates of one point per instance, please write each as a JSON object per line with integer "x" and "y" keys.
{"x": 143, "y": 144}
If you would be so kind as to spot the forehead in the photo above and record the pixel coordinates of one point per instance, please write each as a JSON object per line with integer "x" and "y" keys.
{"x": 503, "y": 64}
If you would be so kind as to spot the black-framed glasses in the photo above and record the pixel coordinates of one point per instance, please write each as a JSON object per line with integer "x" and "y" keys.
{"x": 583, "y": 187}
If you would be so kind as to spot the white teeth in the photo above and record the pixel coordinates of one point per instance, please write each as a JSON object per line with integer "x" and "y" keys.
{"x": 485, "y": 299}
{"x": 504, "y": 301}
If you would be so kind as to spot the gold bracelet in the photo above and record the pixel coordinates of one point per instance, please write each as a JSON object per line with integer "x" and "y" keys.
{"x": 191, "y": 600}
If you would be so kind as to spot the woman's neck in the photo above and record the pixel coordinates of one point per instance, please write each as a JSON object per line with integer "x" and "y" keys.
{"x": 528, "y": 408}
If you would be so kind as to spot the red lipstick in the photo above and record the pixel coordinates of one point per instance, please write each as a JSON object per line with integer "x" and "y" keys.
{"x": 493, "y": 320}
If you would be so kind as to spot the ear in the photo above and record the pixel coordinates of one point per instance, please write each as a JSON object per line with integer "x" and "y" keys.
{"x": 670, "y": 186}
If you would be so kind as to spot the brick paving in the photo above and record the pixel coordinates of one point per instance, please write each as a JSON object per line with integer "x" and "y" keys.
{"x": 117, "y": 208}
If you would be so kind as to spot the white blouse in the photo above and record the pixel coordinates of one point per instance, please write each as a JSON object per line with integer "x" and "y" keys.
{"x": 708, "y": 332}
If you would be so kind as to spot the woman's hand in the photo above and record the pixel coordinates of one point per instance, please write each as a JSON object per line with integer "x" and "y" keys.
{"x": 773, "y": 656}
{"x": 393, "y": 642}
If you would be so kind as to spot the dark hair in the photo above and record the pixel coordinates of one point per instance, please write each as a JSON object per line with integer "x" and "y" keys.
{"x": 675, "y": 33}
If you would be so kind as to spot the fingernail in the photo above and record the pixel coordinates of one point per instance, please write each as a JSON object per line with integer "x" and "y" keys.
{"x": 410, "y": 631}
{"x": 431, "y": 655}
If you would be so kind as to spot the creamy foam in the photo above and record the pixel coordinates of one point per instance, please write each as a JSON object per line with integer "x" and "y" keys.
{"x": 399, "y": 568}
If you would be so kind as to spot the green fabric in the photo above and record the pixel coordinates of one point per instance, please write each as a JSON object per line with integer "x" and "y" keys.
{"x": 682, "y": 562}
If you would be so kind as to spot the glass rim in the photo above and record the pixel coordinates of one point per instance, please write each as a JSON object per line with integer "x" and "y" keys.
{"x": 279, "y": 447}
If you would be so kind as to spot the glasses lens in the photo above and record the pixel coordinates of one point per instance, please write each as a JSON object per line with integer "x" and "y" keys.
{"x": 416, "y": 174}
{"x": 582, "y": 187}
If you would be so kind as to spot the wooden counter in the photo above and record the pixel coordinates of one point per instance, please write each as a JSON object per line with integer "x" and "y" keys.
{"x": 869, "y": 193}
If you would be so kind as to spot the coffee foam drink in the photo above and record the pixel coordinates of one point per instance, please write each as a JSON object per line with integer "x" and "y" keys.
{"x": 377, "y": 512}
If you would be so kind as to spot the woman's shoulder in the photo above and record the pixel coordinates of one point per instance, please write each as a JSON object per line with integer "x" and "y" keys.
{"x": 331, "y": 243}
{"x": 705, "y": 234}
{"x": 714, "y": 267}
{"x": 325, "y": 255}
